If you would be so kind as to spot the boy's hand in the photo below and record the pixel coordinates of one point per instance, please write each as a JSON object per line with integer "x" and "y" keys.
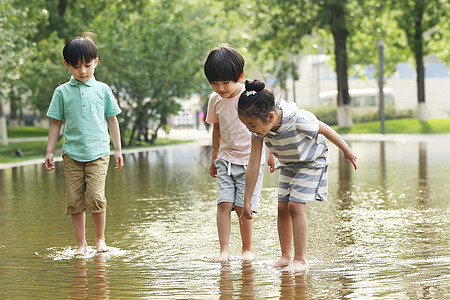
{"x": 118, "y": 160}
{"x": 246, "y": 213}
{"x": 49, "y": 162}
{"x": 350, "y": 156}
{"x": 213, "y": 169}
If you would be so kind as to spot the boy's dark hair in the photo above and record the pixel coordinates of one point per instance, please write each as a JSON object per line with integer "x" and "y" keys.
{"x": 80, "y": 49}
{"x": 224, "y": 63}
{"x": 256, "y": 101}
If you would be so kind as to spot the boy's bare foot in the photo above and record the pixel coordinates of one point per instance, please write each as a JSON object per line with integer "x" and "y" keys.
{"x": 101, "y": 246}
{"x": 281, "y": 262}
{"x": 81, "y": 250}
{"x": 297, "y": 266}
{"x": 247, "y": 255}
{"x": 224, "y": 256}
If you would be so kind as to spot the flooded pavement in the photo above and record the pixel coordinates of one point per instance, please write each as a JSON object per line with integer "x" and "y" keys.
{"x": 384, "y": 234}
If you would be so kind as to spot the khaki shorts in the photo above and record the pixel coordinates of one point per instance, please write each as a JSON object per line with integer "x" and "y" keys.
{"x": 85, "y": 185}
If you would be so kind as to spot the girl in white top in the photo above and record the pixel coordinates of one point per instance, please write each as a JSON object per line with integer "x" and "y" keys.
{"x": 297, "y": 139}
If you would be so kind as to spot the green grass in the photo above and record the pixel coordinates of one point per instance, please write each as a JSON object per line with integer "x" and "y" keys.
{"x": 400, "y": 126}
{"x": 27, "y": 131}
{"x": 33, "y": 150}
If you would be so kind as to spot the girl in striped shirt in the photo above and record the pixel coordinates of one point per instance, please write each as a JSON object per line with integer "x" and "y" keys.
{"x": 298, "y": 140}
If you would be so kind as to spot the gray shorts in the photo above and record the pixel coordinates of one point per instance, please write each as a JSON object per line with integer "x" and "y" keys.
{"x": 304, "y": 185}
{"x": 231, "y": 184}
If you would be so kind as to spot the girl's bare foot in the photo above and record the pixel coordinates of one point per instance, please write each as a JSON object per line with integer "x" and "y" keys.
{"x": 82, "y": 249}
{"x": 281, "y": 262}
{"x": 247, "y": 255}
{"x": 101, "y": 246}
{"x": 297, "y": 266}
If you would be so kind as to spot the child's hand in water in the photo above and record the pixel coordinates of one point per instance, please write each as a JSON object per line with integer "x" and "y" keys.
{"x": 247, "y": 213}
{"x": 350, "y": 156}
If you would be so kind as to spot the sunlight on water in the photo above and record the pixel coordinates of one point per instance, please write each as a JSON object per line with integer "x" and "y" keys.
{"x": 382, "y": 235}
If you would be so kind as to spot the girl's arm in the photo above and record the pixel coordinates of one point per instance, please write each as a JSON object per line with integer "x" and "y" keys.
{"x": 251, "y": 176}
{"x": 53, "y": 134}
{"x": 336, "y": 139}
{"x": 271, "y": 161}
{"x": 113, "y": 125}
{"x": 215, "y": 149}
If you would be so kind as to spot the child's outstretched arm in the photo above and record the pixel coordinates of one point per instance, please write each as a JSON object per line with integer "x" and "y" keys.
{"x": 251, "y": 176}
{"x": 336, "y": 139}
{"x": 113, "y": 125}
{"x": 53, "y": 134}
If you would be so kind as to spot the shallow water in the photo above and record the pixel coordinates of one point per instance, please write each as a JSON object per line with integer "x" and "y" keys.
{"x": 383, "y": 234}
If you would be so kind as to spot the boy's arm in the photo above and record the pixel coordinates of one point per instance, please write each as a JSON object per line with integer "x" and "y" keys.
{"x": 113, "y": 125}
{"x": 336, "y": 139}
{"x": 251, "y": 176}
{"x": 215, "y": 149}
{"x": 53, "y": 133}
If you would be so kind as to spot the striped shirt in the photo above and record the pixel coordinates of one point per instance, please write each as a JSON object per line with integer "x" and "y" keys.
{"x": 296, "y": 144}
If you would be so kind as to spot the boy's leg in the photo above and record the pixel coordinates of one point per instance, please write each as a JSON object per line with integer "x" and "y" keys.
{"x": 224, "y": 228}
{"x": 300, "y": 232}
{"x": 246, "y": 229}
{"x": 95, "y": 173}
{"x": 79, "y": 224}
{"x": 99, "y": 225}
{"x": 75, "y": 200}
{"x": 284, "y": 225}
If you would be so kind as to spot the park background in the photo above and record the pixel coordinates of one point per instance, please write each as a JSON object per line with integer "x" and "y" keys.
{"x": 324, "y": 55}
{"x": 382, "y": 235}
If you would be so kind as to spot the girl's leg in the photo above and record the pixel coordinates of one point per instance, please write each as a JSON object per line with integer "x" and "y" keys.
{"x": 300, "y": 230}
{"x": 99, "y": 225}
{"x": 246, "y": 228}
{"x": 79, "y": 225}
{"x": 284, "y": 225}
{"x": 224, "y": 228}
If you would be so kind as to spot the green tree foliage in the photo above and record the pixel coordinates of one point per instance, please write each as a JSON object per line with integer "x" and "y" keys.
{"x": 152, "y": 58}
{"x": 418, "y": 18}
{"x": 285, "y": 23}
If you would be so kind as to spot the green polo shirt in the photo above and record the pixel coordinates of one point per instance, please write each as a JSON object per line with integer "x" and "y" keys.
{"x": 84, "y": 107}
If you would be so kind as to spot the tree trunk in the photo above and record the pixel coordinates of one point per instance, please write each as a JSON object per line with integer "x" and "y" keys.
{"x": 343, "y": 97}
{"x": 420, "y": 69}
{"x": 340, "y": 34}
{"x": 3, "y": 128}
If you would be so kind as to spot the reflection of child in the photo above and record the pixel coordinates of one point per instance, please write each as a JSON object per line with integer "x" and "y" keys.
{"x": 224, "y": 69}
{"x": 88, "y": 108}
{"x": 297, "y": 139}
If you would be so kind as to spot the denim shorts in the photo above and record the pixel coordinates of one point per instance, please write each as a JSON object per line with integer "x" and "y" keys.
{"x": 231, "y": 184}
{"x": 85, "y": 185}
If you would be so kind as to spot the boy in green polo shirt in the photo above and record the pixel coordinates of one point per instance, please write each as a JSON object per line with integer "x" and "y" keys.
{"x": 88, "y": 108}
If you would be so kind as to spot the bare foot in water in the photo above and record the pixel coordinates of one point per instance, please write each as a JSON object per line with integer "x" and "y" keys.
{"x": 281, "y": 262}
{"x": 247, "y": 255}
{"x": 81, "y": 250}
{"x": 223, "y": 257}
{"x": 297, "y": 266}
{"x": 101, "y": 246}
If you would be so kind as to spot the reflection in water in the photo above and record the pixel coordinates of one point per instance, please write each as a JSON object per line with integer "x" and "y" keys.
{"x": 294, "y": 286}
{"x": 384, "y": 233}
{"x": 246, "y": 281}
{"x": 80, "y": 284}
